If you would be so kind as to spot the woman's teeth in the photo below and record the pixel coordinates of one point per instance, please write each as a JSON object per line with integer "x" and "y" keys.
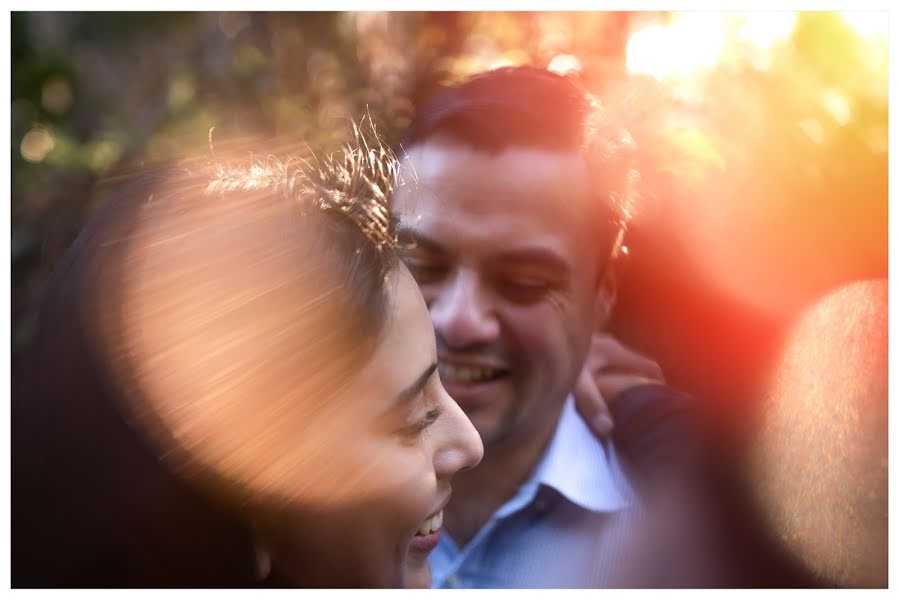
{"x": 432, "y": 524}
{"x": 451, "y": 374}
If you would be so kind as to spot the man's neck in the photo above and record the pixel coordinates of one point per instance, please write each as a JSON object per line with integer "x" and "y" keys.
{"x": 479, "y": 492}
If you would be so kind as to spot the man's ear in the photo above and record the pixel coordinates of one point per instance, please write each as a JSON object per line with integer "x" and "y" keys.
{"x": 607, "y": 293}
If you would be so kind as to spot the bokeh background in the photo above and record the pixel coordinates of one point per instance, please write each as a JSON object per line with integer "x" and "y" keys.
{"x": 761, "y": 137}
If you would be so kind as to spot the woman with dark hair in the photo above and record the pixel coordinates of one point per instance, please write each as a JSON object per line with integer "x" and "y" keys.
{"x": 234, "y": 382}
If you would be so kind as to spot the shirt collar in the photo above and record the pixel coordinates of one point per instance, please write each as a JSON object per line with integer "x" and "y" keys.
{"x": 581, "y": 468}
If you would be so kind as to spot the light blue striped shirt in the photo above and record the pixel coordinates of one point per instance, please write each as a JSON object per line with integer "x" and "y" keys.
{"x": 564, "y": 528}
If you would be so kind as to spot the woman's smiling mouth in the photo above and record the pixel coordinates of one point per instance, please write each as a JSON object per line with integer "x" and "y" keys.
{"x": 428, "y": 534}
{"x": 431, "y": 525}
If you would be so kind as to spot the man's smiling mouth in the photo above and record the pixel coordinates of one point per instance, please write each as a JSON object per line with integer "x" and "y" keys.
{"x": 463, "y": 374}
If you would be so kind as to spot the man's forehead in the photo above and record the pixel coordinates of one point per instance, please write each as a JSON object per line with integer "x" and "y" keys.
{"x": 507, "y": 207}
{"x": 439, "y": 153}
{"x": 459, "y": 177}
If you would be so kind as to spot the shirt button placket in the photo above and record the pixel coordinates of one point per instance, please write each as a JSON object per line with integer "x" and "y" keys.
{"x": 452, "y": 581}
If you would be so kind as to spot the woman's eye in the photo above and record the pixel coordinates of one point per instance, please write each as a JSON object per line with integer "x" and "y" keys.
{"x": 429, "y": 419}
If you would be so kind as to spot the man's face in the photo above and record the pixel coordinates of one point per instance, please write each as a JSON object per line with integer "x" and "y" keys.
{"x": 506, "y": 259}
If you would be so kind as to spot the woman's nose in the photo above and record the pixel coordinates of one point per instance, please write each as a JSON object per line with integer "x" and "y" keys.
{"x": 460, "y": 445}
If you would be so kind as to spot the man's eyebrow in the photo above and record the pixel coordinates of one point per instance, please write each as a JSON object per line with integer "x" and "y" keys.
{"x": 539, "y": 257}
{"x": 413, "y": 390}
{"x": 408, "y": 236}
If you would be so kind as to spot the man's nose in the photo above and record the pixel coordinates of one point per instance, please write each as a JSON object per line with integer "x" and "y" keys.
{"x": 462, "y": 312}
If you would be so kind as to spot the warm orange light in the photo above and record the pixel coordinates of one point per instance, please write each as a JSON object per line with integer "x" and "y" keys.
{"x": 689, "y": 43}
{"x": 837, "y": 105}
{"x": 694, "y": 42}
{"x": 564, "y": 64}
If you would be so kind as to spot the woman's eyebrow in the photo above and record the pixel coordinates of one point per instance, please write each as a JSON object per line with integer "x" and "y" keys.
{"x": 417, "y": 386}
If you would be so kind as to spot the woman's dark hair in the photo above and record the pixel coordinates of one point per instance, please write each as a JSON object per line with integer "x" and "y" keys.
{"x": 102, "y": 494}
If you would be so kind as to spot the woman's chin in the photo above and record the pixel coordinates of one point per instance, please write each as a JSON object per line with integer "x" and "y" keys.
{"x": 418, "y": 574}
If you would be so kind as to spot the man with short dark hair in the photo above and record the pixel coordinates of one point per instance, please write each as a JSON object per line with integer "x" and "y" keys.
{"x": 512, "y": 209}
